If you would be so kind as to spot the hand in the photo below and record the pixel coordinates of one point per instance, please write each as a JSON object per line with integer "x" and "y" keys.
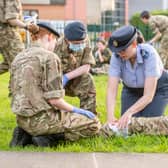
{"x": 86, "y": 113}
{"x": 124, "y": 120}
{"x": 112, "y": 120}
{"x": 32, "y": 28}
{"x": 65, "y": 80}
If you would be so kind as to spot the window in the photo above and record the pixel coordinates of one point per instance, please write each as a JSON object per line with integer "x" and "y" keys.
{"x": 57, "y": 2}
{"x": 113, "y": 18}
{"x": 31, "y": 13}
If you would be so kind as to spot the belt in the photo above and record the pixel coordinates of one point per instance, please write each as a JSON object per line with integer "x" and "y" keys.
{"x": 138, "y": 91}
{"x": 3, "y": 25}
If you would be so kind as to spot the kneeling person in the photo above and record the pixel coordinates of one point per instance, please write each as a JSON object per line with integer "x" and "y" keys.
{"x": 76, "y": 57}
{"x": 37, "y": 95}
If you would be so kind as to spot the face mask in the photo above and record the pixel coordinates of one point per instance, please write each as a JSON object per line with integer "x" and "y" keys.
{"x": 77, "y": 47}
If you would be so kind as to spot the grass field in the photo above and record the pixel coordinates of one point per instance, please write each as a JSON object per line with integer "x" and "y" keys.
{"x": 134, "y": 143}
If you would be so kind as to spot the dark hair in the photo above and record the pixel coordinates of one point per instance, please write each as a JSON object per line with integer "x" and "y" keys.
{"x": 102, "y": 41}
{"x": 140, "y": 37}
{"x": 145, "y": 14}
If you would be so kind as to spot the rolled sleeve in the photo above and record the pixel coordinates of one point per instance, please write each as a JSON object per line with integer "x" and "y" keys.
{"x": 115, "y": 66}
{"x": 9, "y": 16}
{"x": 54, "y": 94}
{"x": 153, "y": 27}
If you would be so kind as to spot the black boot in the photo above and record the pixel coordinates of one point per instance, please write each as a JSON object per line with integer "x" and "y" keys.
{"x": 48, "y": 140}
{"x": 20, "y": 138}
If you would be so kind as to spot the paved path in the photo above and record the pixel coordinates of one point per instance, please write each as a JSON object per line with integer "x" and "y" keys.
{"x": 82, "y": 160}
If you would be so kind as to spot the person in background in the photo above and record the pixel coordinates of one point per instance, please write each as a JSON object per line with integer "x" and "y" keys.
{"x": 10, "y": 42}
{"x": 102, "y": 55}
{"x": 145, "y": 81}
{"x": 75, "y": 53}
{"x": 159, "y": 25}
{"x": 43, "y": 116}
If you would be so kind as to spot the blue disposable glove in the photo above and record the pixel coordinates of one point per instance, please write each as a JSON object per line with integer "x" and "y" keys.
{"x": 65, "y": 80}
{"x": 87, "y": 113}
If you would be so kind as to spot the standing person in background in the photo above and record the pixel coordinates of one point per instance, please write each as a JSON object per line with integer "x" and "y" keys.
{"x": 76, "y": 57}
{"x": 102, "y": 55}
{"x": 145, "y": 90}
{"x": 43, "y": 115}
{"x": 159, "y": 25}
{"x": 10, "y": 39}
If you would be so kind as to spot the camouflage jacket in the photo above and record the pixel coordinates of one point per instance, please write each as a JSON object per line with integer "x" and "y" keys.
{"x": 158, "y": 23}
{"x": 71, "y": 60}
{"x": 36, "y": 77}
{"x": 10, "y": 9}
{"x": 106, "y": 54}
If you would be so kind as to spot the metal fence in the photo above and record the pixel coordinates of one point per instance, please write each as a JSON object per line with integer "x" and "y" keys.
{"x": 96, "y": 31}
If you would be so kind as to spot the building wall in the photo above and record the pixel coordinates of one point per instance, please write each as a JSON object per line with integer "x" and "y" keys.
{"x": 75, "y": 10}
{"x": 47, "y": 12}
{"x": 93, "y": 11}
{"x": 88, "y": 11}
{"x": 72, "y": 10}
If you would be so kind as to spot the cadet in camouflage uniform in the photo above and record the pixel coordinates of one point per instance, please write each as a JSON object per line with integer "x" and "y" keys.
{"x": 37, "y": 95}
{"x": 102, "y": 55}
{"x": 159, "y": 25}
{"x": 76, "y": 57}
{"x": 10, "y": 41}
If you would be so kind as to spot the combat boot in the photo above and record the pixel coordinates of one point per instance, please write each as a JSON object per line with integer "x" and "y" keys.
{"x": 48, "y": 140}
{"x": 20, "y": 138}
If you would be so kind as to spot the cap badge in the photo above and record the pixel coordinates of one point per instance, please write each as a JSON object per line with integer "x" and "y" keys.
{"x": 115, "y": 43}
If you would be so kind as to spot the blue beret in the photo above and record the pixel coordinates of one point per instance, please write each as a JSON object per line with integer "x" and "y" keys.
{"x": 122, "y": 38}
{"x": 50, "y": 27}
{"x": 75, "y": 31}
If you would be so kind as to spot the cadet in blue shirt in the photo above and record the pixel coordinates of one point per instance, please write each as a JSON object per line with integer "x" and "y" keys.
{"x": 145, "y": 82}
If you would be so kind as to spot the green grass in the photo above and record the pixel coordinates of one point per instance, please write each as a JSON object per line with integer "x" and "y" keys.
{"x": 138, "y": 143}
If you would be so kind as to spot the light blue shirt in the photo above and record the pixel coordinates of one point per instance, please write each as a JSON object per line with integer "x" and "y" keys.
{"x": 147, "y": 64}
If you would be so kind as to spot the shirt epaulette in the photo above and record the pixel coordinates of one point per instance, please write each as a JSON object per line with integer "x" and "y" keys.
{"x": 144, "y": 53}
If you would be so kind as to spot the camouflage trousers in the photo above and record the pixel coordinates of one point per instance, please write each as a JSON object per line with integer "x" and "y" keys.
{"x": 10, "y": 45}
{"x": 84, "y": 88}
{"x": 142, "y": 125}
{"x": 163, "y": 51}
{"x": 100, "y": 70}
{"x": 74, "y": 126}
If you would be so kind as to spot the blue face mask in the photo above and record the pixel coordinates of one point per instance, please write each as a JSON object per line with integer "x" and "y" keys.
{"x": 77, "y": 47}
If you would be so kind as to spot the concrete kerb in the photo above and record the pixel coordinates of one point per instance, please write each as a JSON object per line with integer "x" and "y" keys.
{"x": 82, "y": 160}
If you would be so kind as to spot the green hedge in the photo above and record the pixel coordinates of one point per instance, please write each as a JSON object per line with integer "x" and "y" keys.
{"x": 145, "y": 29}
